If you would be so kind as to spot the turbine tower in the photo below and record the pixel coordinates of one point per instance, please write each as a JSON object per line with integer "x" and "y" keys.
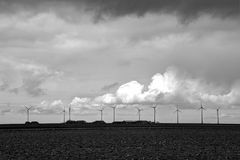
{"x": 114, "y": 112}
{"x": 69, "y": 112}
{"x": 218, "y": 110}
{"x": 177, "y": 112}
{"x": 202, "y": 108}
{"x": 28, "y": 112}
{"x": 101, "y": 111}
{"x": 154, "y": 112}
{"x": 139, "y": 113}
{"x": 64, "y": 117}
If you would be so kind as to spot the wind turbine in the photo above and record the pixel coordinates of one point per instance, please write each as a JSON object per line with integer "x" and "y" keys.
{"x": 202, "y": 108}
{"x": 64, "y": 111}
{"x": 154, "y": 112}
{"x": 101, "y": 111}
{"x": 139, "y": 113}
{"x": 114, "y": 112}
{"x": 28, "y": 112}
{"x": 177, "y": 111}
{"x": 69, "y": 112}
{"x": 218, "y": 110}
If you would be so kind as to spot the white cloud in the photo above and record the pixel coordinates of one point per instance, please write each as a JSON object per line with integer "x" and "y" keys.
{"x": 106, "y": 99}
{"x": 130, "y": 92}
{"x": 173, "y": 87}
{"x": 81, "y": 105}
{"x": 79, "y": 101}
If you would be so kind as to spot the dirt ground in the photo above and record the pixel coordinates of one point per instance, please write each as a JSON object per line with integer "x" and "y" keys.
{"x": 120, "y": 144}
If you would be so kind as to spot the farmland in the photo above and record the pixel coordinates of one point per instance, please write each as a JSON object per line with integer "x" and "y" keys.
{"x": 120, "y": 143}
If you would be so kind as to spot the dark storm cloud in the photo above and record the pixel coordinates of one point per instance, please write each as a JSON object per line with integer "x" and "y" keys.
{"x": 184, "y": 9}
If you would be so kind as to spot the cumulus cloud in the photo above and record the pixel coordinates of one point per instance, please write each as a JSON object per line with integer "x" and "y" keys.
{"x": 107, "y": 99}
{"x": 79, "y": 101}
{"x": 174, "y": 87}
{"x": 133, "y": 92}
{"x": 130, "y": 92}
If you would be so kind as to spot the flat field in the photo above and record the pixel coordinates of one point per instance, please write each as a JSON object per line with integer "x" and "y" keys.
{"x": 120, "y": 143}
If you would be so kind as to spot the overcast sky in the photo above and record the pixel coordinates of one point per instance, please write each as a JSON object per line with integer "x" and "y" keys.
{"x": 91, "y": 53}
